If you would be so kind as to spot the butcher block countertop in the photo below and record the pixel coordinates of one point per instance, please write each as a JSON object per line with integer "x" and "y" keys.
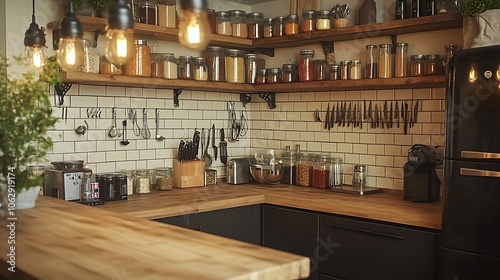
{"x": 387, "y": 206}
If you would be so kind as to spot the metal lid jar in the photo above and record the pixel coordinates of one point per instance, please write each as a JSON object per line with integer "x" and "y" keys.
{"x": 323, "y": 20}
{"x": 432, "y": 64}
{"x": 292, "y": 25}
{"x": 355, "y": 70}
{"x": 140, "y": 64}
{"x": 238, "y": 23}
{"x": 321, "y": 172}
{"x": 250, "y": 68}
{"x": 157, "y": 65}
{"x": 401, "y": 65}
{"x": 212, "y": 20}
{"x": 308, "y": 21}
{"x": 304, "y": 170}
{"x": 235, "y": 66}
{"x": 108, "y": 187}
{"x": 344, "y": 69}
{"x": 255, "y": 23}
{"x": 92, "y": 58}
{"x": 371, "y": 67}
{"x": 216, "y": 64}
{"x": 417, "y": 65}
{"x": 273, "y": 75}
{"x": 130, "y": 181}
{"x": 320, "y": 70}
{"x": 261, "y": 76}
{"x": 186, "y": 69}
{"x": 200, "y": 69}
{"x": 279, "y": 26}
{"x": 142, "y": 181}
{"x": 147, "y": 11}
{"x": 224, "y": 26}
{"x": 306, "y": 65}
{"x": 109, "y": 68}
{"x": 268, "y": 27}
{"x": 164, "y": 181}
{"x": 385, "y": 61}
{"x": 334, "y": 72}
{"x": 170, "y": 66}
{"x": 288, "y": 167}
{"x": 289, "y": 73}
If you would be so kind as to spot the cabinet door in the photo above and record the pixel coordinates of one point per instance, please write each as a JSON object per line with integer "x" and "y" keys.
{"x": 367, "y": 250}
{"x": 291, "y": 231}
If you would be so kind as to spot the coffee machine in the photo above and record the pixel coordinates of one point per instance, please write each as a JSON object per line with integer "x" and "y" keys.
{"x": 421, "y": 183}
{"x": 64, "y": 179}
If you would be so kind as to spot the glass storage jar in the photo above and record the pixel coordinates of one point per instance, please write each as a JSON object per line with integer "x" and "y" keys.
{"x": 166, "y": 14}
{"x": 268, "y": 28}
{"x": 164, "y": 181}
{"x": 288, "y": 167}
{"x": 216, "y": 64}
{"x": 224, "y": 26}
{"x": 250, "y": 68}
{"x": 235, "y": 66}
{"x": 142, "y": 181}
{"x": 385, "y": 61}
{"x": 120, "y": 182}
{"x": 152, "y": 177}
{"x": 273, "y": 75}
{"x": 336, "y": 173}
{"x": 401, "y": 66}
{"x": 308, "y": 21}
{"x": 359, "y": 177}
{"x": 238, "y": 23}
{"x": 157, "y": 65}
{"x": 186, "y": 71}
{"x": 289, "y": 73}
{"x": 371, "y": 67}
{"x": 200, "y": 69}
{"x": 334, "y": 72}
{"x": 432, "y": 64}
{"x": 255, "y": 23}
{"x": 417, "y": 65}
{"x": 170, "y": 66}
{"x": 306, "y": 65}
{"x": 344, "y": 69}
{"x": 108, "y": 187}
{"x": 109, "y": 68}
{"x": 355, "y": 70}
{"x": 279, "y": 26}
{"x": 261, "y": 76}
{"x": 91, "y": 60}
{"x": 292, "y": 25}
{"x": 321, "y": 172}
{"x": 212, "y": 20}
{"x": 320, "y": 70}
{"x": 304, "y": 170}
{"x": 147, "y": 11}
{"x": 130, "y": 181}
{"x": 140, "y": 64}
{"x": 323, "y": 20}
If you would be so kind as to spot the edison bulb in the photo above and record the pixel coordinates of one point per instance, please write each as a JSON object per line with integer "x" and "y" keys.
{"x": 70, "y": 54}
{"x": 194, "y": 32}
{"x": 120, "y": 46}
{"x": 35, "y": 56}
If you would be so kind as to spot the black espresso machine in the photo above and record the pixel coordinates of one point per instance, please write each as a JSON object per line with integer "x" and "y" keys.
{"x": 421, "y": 183}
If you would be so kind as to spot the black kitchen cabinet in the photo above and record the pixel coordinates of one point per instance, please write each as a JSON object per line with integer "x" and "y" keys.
{"x": 360, "y": 250}
{"x": 292, "y": 231}
{"x": 239, "y": 223}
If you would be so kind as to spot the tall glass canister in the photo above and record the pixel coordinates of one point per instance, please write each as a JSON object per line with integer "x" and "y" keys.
{"x": 304, "y": 170}
{"x": 92, "y": 59}
{"x": 288, "y": 166}
{"x": 235, "y": 66}
{"x": 371, "y": 67}
{"x": 268, "y": 27}
{"x": 321, "y": 172}
{"x": 216, "y": 64}
{"x": 385, "y": 61}
{"x": 250, "y": 68}
{"x": 401, "y": 67}
{"x": 255, "y": 23}
{"x": 306, "y": 65}
{"x": 336, "y": 173}
{"x": 238, "y": 23}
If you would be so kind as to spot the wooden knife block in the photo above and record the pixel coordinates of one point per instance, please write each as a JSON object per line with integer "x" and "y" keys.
{"x": 189, "y": 174}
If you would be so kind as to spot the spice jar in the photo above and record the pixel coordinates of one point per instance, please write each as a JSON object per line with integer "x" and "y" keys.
{"x": 355, "y": 70}
{"x": 306, "y": 65}
{"x": 320, "y": 70}
{"x": 147, "y": 11}
{"x": 323, "y": 20}
{"x": 108, "y": 67}
{"x": 255, "y": 23}
{"x": 344, "y": 69}
{"x": 304, "y": 170}
{"x": 91, "y": 59}
{"x": 292, "y": 25}
{"x": 401, "y": 67}
{"x": 200, "y": 69}
{"x": 238, "y": 23}
{"x": 432, "y": 64}
{"x": 142, "y": 181}
{"x": 157, "y": 65}
{"x": 308, "y": 21}
{"x": 224, "y": 26}
{"x": 170, "y": 67}
{"x": 385, "y": 61}
{"x": 279, "y": 26}
{"x": 212, "y": 20}
{"x": 321, "y": 172}
{"x": 261, "y": 76}
{"x": 164, "y": 181}
{"x": 417, "y": 65}
{"x": 273, "y": 75}
{"x": 371, "y": 67}
{"x": 250, "y": 68}
{"x": 186, "y": 71}
{"x": 334, "y": 72}
{"x": 235, "y": 66}
{"x": 130, "y": 181}
{"x": 289, "y": 73}
{"x": 288, "y": 167}
{"x": 268, "y": 27}
{"x": 140, "y": 64}
{"x": 216, "y": 64}
{"x": 336, "y": 176}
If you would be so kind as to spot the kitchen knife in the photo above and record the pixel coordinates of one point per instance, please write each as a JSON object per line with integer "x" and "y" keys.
{"x": 364, "y": 110}
{"x": 415, "y": 112}
{"x": 213, "y": 142}
{"x": 337, "y": 115}
{"x": 349, "y": 115}
{"x": 383, "y": 114}
{"x": 188, "y": 150}
{"x": 376, "y": 115}
{"x": 397, "y": 113}
{"x": 332, "y": 116}
{"x": 223, "y": 147}
{"x": 405, "y": 113}
{"x": 327, "y": 117}
{"x": 360, "y": 119}
{"x": 180, "y": 151}
{"x": 354, "y": 117}
{"x": 390, "y": 116}
{"x": 370, "y": 114}
{"x": 196, "y": 143}
{"x": 344, "y": 105}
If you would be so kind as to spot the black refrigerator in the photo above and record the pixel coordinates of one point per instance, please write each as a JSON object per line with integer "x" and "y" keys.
{"x": 471, "y": 212}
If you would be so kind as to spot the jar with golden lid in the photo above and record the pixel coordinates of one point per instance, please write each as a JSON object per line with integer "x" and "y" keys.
{"x": 308, "y": 21}
{"x": 140, "y": 64}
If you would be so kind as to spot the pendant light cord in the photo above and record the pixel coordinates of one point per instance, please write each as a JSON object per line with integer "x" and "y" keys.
{"x": 33, "y": 15}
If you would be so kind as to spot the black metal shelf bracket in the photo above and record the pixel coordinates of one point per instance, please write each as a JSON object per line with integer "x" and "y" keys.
{"x": 245, "y": 99}
{"x": 266, "y": 51}
{"x": 177, "y": 92}
{"x": 328, "y": 47}
{"x": 96, "y": 37}
{"x": 270, "y": 98}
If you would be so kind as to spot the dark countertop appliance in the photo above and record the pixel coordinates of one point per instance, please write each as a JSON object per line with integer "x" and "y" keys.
{"x": 471, "y": 212}
{"x": 63, "y": 181}
{"x": 421, "y": 183}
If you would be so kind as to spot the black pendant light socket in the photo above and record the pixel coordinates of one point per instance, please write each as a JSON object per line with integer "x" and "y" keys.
{"x": 34, "y": 35}
{"x": 195, "y": 5}
{"x": 120, "y": 16}
{"x": 70, "y": 25}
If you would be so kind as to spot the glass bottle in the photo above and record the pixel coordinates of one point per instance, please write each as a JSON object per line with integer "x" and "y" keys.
{"x": 216, "y": 64}
{"x": 157, "y": 65}
{"x": 371, "y": 67}
{"x": 289, "y": 73}
{"x": 170, "y": 66}
{"x": 401, "y": 66}
{"x": 164, "y": 181}
{"x": 200, "y": 69}
{"x": 306, "y": 65}
{"x": 334, "y": 72}
{"x": 92, "y": 59}
{"x": 320, "y": 70}
{"x": 212, "y": 20}
{"x": 273, "y": 75}
{"x": 417, "y": 65}
{"x": 323, "y": 20}
{"x": 255, "y": 23}
{"x": 268, "y": 27}
{"x": 142, "y": 181}
{"x": 279, "y": 26}
{"x": 344, "y": 69}
{"x": 321, "y": 172}
{"x": 186, "y": 71}
{"x": 304, "y": 170}
{"x": 336, "y": 176}
{"x": 147, "y": 11}
{"x": 238, "y": 23}
{"x": 450, "y": 51}
{"x": 224, "y": 26}
{"x": 308, "y": 21}
{"x": 130, "y": 181}
{"x": 368, "y": 12}
{"x": 385, "y": 61}
{"x": 355, "y": 70}
{"x": 250, "y": 68}
{"x": 235, "y": 66}
{"x": 288, "y": 166}
{"x": 292, "y": 25}
{"x": 140, "y": 64}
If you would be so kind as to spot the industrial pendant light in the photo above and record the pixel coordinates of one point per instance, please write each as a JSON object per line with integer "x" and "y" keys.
{"x": 120, "y": 34}
{"x": 70, "y": 54}
{"x": 194, "y": 31}
{"x": 34, "y": 41}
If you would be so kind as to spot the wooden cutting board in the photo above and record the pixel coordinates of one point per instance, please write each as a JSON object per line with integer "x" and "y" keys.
{"x": 299, "y": 6}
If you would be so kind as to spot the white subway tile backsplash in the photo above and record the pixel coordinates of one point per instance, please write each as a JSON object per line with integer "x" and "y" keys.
{"x": 115, "y": 91}
{"x": 87, "y": 90}
{"x": 149, "y": 93}
{"x": 133, "y": 92}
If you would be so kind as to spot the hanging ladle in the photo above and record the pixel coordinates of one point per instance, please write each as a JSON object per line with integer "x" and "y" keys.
{"x": 113, "y": 132}
{"x": 124, "y": 141}
{"x": 146, "y": 133}
{"x": 157, "y": 121}
{"x": 81, "y": 130}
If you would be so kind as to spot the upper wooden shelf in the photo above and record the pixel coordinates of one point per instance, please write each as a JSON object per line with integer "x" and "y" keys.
{"x": 395, "y": 27}
{"x": 340, "y": 85}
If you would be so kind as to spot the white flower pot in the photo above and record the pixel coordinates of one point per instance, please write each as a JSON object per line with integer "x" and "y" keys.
{"x": 26, "y": 198}
{"x": 482, "y": 30}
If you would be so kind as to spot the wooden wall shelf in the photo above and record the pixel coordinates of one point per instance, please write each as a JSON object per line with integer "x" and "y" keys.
{"x": 340, "y": 85}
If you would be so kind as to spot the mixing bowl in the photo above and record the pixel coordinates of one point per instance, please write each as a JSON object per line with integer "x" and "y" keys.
{"x": 267, "y": 174}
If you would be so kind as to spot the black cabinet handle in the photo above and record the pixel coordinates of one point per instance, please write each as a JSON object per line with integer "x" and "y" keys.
{"x": 393, "y": 236}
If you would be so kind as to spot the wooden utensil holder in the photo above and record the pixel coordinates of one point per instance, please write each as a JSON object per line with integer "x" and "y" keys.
{"x": 189, "y": 174}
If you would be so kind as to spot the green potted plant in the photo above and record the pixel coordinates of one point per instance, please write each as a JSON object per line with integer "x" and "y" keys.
{"x": 90, "y": 7}
{"x": 25, "y": 119}
{"x": 481, "y": 25}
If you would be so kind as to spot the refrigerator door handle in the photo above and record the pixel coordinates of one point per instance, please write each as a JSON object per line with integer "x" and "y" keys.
{"x": 479, "y": 173}
{"x": 480, "y": 155}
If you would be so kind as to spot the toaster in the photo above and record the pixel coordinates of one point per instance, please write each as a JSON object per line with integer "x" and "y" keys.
{"x": 238, "y": 170}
